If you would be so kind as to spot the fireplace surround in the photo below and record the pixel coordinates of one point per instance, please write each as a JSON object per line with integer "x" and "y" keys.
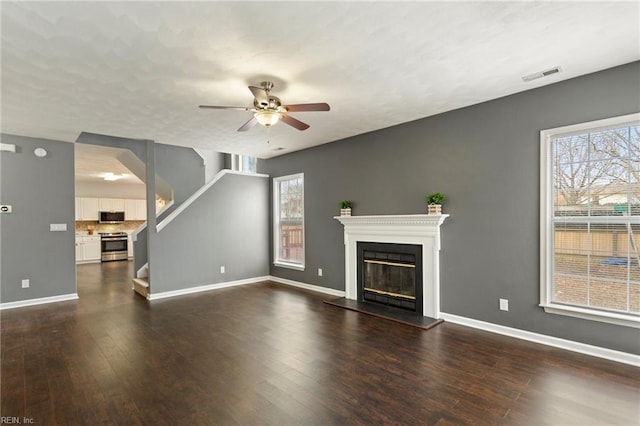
{"x": 422, "y": 230}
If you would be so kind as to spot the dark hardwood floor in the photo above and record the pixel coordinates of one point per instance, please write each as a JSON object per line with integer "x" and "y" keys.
{"x": 271, "y": 354}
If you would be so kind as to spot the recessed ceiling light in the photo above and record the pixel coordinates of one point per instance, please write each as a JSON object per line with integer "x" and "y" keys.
{"x": 110, "y": 176}
{"x": 545, "y": 73}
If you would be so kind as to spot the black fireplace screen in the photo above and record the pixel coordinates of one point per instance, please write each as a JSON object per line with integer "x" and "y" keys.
{"x": 391, "y": 274}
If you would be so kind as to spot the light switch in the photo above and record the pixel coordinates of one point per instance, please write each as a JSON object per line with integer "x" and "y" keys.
{"x": 57, "y": 227}
{"x": 5, "y": 208}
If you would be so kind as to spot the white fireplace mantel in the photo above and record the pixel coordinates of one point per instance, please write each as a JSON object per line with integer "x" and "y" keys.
{"x": 419, "y": 229}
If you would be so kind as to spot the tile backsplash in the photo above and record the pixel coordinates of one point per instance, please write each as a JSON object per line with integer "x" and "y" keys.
{"x": 84, "y": 226}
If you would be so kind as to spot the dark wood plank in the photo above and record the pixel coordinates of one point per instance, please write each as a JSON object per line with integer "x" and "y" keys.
{"x": 270, "y": 354}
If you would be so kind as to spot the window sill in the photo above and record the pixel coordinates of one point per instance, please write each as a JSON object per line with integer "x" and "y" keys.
{"x": 593, "y": 315}
{"x": 296, "y": 266}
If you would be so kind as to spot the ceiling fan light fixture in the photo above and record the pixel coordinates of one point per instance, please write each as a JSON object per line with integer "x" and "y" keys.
{"x": 267, "y": 118}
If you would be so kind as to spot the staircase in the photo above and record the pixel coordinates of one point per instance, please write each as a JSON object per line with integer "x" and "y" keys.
{"x": 141, "y": 282}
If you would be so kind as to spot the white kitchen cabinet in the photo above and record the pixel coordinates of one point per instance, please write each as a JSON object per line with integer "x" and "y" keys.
{"x": 135, "y": 209}
{"x": 79, "y": 249}
{"x": 88, "y": 249}
{"x": 141, "y": 209}
{"x": 86, "y": 208}
{"x": 111, "y": 204}
{"x": 92, "y": 249}
{"x": 130, "y": 212}
{"x": 129, "y": 245}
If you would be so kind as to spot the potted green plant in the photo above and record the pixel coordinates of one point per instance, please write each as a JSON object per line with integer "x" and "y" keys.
{"x": 345, "y": 207}
{"x": 434, "y": 203}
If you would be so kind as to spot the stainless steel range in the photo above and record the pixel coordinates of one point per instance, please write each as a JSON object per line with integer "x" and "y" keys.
{"x": 114, "y": 246}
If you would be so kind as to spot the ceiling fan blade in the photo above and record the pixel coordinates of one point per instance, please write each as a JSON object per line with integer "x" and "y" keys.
{"x": 249, "y": 124}
{"x": 294, "y": 122}
{"x": 308, "y": 107}
{"x": 224, "y": 107}
{"x": 260, "y": 94}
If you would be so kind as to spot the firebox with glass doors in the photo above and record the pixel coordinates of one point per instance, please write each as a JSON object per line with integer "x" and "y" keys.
{"x": 390, "y": 274}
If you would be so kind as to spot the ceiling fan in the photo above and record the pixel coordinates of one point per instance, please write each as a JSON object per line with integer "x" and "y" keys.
{"x": 268, "y": 110}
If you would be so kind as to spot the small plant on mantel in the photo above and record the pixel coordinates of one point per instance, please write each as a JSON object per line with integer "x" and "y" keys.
{"x": 434, "y": 203}
{"x": 345, "y": 207}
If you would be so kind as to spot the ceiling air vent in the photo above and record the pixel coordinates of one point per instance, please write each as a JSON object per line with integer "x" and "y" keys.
{"x": 541, "y": 74}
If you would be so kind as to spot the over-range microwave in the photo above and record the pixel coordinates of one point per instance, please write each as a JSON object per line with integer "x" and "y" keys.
{"x": 111, "y": 217}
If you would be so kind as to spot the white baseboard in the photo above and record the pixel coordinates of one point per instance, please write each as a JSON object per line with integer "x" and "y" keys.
{"x": 610, "y": 354}
{"x": 39, "y": 301}
{"x": 206, "y": 287}
{"x": 316, "y": 288}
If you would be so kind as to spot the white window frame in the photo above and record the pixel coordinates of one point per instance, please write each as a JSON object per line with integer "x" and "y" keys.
{"x": 276, "y": 222}
{"x": 546, "y": 225}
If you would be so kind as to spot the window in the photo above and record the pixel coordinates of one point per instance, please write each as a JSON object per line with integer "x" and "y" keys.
{"x": 243, "y": 163}
{"x": 590, "y": 220}
{"x": 288, "y": 201}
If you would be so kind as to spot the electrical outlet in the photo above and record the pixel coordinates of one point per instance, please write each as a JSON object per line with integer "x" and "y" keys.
{"x": 222, "y": 270}
{"x": 504, "y": 304}
{"x": 319, "y": 272}
{"x": 25, "y": 283}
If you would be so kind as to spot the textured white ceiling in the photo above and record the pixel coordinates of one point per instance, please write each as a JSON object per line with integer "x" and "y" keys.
{"x": 140, "y": 69}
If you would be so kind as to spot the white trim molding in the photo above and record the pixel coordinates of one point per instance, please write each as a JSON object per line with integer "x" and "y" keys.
{"x": 312, "y": 287}
{"x": 39, "y": 301}
{"x": 418, "y": 229}
{"x": 206, "y": 287}
{"x": 199, "y": 193}
{"x": 570, "y": 345}
{"x": 134, "y": 234}
{"x": 255, "y": 280}
{"x": 588, "y": 314}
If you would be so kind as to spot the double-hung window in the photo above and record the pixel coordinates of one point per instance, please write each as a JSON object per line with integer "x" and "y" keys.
{"x": 288, "y": 201}
{"x": 590, "y": 220}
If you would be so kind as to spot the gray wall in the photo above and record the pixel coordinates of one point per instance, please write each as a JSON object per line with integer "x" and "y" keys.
{"x": 226, "y": 226}
{"x": 485, "y": 158}
{"x": 182, "y": 168}
{"x": 41, "y": 191}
